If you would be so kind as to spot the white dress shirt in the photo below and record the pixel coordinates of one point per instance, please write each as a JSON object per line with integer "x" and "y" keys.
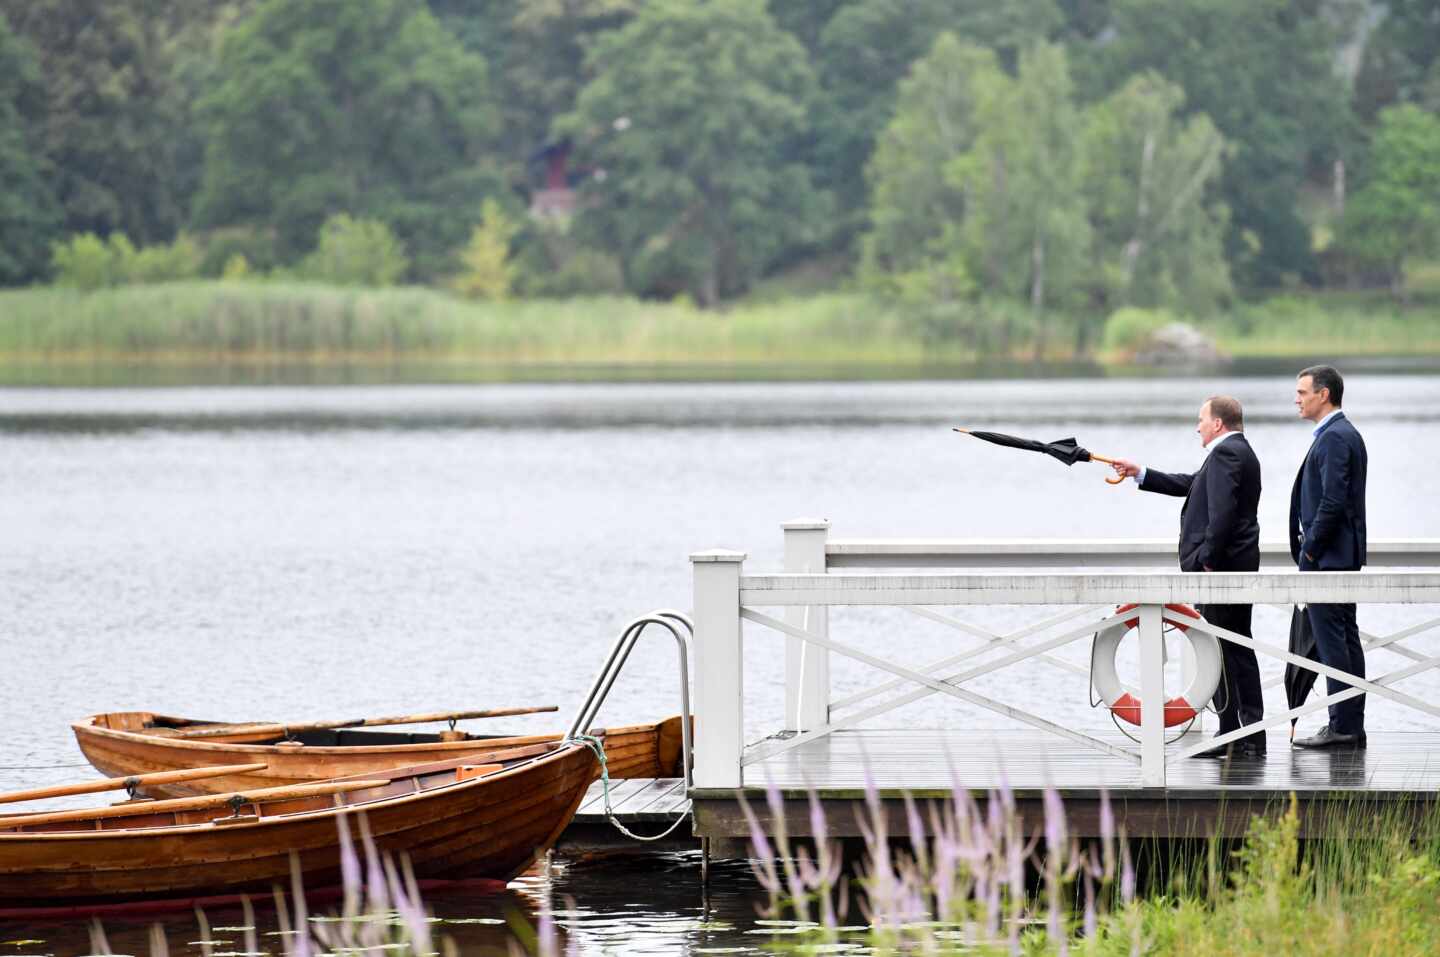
{"x": 1321, "y": 424}
{"x": 1140, "y": 476}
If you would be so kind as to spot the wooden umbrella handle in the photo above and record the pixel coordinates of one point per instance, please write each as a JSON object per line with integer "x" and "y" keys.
{"x": 1110, "y": 480}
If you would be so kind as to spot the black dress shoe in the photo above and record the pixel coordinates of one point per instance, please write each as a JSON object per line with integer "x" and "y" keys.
{"x": 1328, "y": 737}
{"x": 1244, "y": 748}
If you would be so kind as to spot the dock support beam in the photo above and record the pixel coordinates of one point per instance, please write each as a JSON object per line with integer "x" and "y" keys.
{"x": 719, "y": 671}
{"x": 1152, "y": 697}
{"x": 807, "y": 666}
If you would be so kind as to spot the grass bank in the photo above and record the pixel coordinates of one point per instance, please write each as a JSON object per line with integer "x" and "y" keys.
{"x": 173, "y": 330}
{"x": 1354, "y": 877}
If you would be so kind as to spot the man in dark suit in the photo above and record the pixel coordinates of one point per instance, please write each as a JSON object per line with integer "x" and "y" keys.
{"x": 1219, "y": 531}
{"x": 1327, "y": 533}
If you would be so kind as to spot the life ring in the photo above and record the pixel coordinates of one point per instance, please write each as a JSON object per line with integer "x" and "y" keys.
{"x": 1125, "y": 705}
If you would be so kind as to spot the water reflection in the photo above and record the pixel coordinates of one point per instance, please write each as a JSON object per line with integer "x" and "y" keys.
{"x": 617, "y": 904}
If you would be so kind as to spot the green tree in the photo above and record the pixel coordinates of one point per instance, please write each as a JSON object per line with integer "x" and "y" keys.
{"x": 1264, "y": 72}
{"x": 869, "y": 45}
{"x": 535, "y": 50}
{"x": 356, "y": 252}
{"x": 28, "y": 212}
{"x": 361, "y": 106}
{"x": 487, "y": 271}
{"x": 912, "y": 248}
{"x": 118, "y": 128}
{"x": 1400, "y": 56}
{"x": 688, "y": 117}
{"x": 1395, "y": 216}
{"x": 806, "y": 21}
{"x": 1148, "y": 177}
{"x": 977, "y": 184}
{"x": 1027, "y": 218}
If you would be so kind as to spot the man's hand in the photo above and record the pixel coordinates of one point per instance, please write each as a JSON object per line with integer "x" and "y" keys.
{"x": 1125, "y": 469}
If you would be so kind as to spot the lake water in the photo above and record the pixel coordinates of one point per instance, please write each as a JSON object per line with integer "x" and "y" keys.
{"x": 309, "y": 553}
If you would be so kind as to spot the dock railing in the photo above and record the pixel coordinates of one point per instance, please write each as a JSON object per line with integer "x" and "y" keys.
{"x": 1085, "y": 578}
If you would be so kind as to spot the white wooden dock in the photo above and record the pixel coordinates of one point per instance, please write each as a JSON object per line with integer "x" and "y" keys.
{"x": 828, "y": 745}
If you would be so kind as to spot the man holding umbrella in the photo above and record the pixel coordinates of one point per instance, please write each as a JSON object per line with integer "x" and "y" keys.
{"x": 1220, "y": 531}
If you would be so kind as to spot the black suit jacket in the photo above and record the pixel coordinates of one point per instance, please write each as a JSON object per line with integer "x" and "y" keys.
{"x": 1218, "y": 523}
{"x": 1327, "y": 504}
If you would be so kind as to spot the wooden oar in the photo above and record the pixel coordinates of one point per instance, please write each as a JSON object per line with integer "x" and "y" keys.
{"x": 238, "y": 798}
{"x": 275, "y": 727}
{"x": 134, "y": 781}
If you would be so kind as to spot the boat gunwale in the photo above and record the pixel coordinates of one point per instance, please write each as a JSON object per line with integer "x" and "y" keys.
{"x": 447, "y": 788}
{"x": 88, "y": 726}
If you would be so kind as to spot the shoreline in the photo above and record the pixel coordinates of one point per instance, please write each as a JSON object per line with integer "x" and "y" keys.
{"x": 218, "y": 332}
{"x": 179, "y": 370}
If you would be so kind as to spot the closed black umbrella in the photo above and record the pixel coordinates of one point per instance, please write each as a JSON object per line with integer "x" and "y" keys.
{"x": 1065, "y": 450}
{"x": 1299, "y": 681}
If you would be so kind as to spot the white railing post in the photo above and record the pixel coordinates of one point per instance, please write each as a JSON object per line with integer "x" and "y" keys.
{"x": 807, "y": 666}
{"x": 719, "y": 671}
{"x": 1152, "y": 697}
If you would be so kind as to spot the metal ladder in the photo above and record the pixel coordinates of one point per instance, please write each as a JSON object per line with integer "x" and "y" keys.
{"x": 683, "y": 630}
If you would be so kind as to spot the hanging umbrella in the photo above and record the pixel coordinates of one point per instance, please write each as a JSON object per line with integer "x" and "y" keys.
{"x": 1299, "y": 681}
{"x": 1066, "y": 450}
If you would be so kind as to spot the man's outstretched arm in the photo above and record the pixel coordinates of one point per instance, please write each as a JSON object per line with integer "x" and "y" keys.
{"x": 1154, "y": 480}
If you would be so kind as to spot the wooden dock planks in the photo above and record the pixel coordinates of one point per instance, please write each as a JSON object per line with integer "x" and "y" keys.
{"x": 1398, "y": 768}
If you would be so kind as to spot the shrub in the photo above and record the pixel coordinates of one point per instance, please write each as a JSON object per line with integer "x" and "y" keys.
{"x": 489, "y": 272}
{"x": 587, "y": 272}
{"x": 236, "y": 267}
{"x": 163, "y": 263}
{"x": 86, "y": 261}
{"x": 1129, "y": 329}
{"x": 257, "y": 248}
{"x": 360, "y": 252}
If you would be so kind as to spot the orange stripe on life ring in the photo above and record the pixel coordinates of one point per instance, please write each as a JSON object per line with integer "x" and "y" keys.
{"x": 1185, "y": 610}
{"x": 1177, "y": 710}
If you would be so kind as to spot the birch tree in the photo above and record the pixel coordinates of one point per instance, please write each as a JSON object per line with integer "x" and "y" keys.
{"x": 1150, "y": 176}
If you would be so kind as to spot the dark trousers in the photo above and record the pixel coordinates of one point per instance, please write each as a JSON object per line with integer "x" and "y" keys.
{"x": 1239, "y": 700}
{"x": 1337, "y": 641}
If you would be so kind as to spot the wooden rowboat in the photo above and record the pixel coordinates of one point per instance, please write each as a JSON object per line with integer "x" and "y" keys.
{"x": 125, "y": 743}
{"x": 451, "y": 819}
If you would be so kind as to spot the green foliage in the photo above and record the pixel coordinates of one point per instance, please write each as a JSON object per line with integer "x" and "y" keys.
{"x": 582, "y": 272}
{"x": 370, "y": 108}
{"x": 977, "y": 183}
{"x": 688, "y": 116}
{"x": 165, "y": 262}
{"x": 1149, "y": 180}
{"x": 1264, "y": 72}
{"x": 88, "y": 262}
{"x": 85, "y": 262}
{"x": 864, "y": 51}
{"x": 117, "y": 132}
{"x": 1129, "y": 329}
{"x": 28, "y": 211}
{"x": 1400, "y": 57}
{"x": 488, "y": 272}
{"x": 1396, "y": 215}
{"x": 915, "y": 207}
{"x": 356, "y": 252}
{"x": 535, "y": 50}
{"x": 236, "y": 267}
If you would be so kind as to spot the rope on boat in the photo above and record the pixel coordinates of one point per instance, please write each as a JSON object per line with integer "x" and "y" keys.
{"x": 596, "y": 745}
